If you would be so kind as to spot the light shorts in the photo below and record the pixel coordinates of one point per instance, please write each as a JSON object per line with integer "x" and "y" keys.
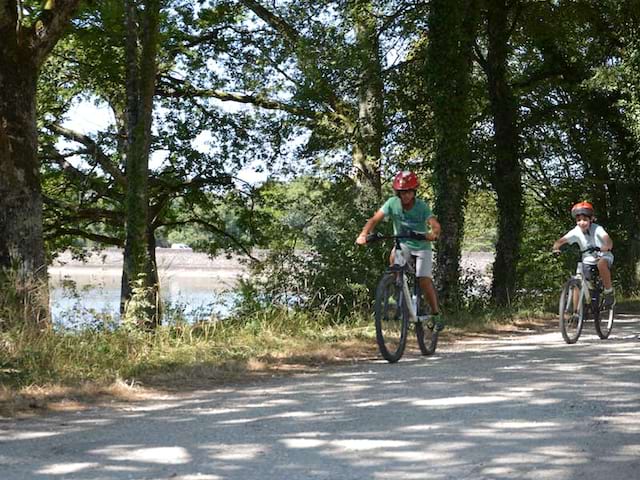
{"x": 608, "y": 256}
{"x": 423, "y": 260}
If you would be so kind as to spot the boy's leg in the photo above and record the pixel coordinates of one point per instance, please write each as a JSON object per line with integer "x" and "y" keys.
{"x": 424, "y": 264}
{"x": 605, "y": 275}
{"x": 429, "y": 291}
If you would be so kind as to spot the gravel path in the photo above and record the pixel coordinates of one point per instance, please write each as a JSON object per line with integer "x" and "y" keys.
{"x": 519, "y": 407}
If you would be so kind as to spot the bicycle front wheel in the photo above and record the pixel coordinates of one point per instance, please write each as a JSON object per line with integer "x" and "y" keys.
{"x": 425, "y": 329}
{"x": 391, "y": 318}
{"x": 603, "y": 320}
{"x": 571, "y": 310}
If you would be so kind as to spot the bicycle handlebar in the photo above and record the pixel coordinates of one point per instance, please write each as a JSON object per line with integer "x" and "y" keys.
{"x": 374, "y": 237}
{"x": 586, "y": 250}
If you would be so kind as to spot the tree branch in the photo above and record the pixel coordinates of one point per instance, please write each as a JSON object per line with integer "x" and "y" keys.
{"x": 49, "y": 28}
{"x": 98, "y": 155}
{"x": 305, "y": 60}
{"x": 183, "y": 89}
{"x": 76, "y": 232}
{"x": 214, "y": 229}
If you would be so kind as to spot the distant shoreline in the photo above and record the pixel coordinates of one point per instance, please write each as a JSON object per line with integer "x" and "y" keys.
{"x": 174, "y": 263}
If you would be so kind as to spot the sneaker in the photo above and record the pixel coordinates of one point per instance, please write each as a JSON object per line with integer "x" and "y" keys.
{"x": 437, "y": 321}
{"x": 609, "y": 300}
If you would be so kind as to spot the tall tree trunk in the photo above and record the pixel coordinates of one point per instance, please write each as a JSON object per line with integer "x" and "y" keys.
{"x": 451, "y": 33}
{"x": 22, "y": 258}
{"x": 140, "y": 290}
{"x": 507, "y": 176}
{"x": 24, "y": 296}
{"x": 367, "y": 148}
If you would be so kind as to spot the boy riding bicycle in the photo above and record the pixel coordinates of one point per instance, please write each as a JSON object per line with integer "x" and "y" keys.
{"x": 411, "y": 214}
{"x": 588, "y": 234}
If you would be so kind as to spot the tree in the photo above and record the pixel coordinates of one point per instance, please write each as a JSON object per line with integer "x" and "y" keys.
{"x": 28, "y": 36}
{"x": 506, "y": 174}
{"x": 92, "y": 198}
{"x": 448, "y": 66}
{"x": 140, "y": 289}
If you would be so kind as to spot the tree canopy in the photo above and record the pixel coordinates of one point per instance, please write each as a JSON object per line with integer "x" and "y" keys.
{"x": 509, "y": 110}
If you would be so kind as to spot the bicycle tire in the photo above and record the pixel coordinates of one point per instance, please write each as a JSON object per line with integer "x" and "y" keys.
{"x": 391, "y": 318}
{"x": 603, "y": 319}
{"x": 425, "y": 332}
{"x": 571, "y": 321}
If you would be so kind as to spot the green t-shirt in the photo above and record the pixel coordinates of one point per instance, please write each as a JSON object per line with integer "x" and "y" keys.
{"x": 405, "y": 221}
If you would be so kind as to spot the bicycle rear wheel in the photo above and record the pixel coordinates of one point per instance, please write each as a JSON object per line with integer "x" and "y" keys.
{"x": 425, "y": 329}
{"x": 391, "y": 318}
{"x": 571, "y": 315}
{"x": 603, "y": 319}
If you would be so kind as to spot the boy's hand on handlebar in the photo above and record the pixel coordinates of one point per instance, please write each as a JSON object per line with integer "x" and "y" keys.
{"x": 363, "y": 238}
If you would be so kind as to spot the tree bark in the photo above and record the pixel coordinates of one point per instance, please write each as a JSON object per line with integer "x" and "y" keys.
{"x": 448, "y": 68}
{"x": 507, "y": 177}
{"x": 367, "y": 148}
{"x": 24, "y": 294}
{"x": 140, "y": 290}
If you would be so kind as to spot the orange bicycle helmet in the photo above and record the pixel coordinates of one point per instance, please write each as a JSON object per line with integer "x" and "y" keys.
{"x": 582, "y": 208}
{"x": 405, "y": 180}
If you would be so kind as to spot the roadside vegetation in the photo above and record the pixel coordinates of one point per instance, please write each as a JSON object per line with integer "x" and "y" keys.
{"x": 57, "y": 367}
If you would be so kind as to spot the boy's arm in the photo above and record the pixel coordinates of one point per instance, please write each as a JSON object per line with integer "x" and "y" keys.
{"x": 607, "y": 243}
{"x": 369, "y": 226}
{"x": 434, "y": 224}
{"x": 558, "y": 243}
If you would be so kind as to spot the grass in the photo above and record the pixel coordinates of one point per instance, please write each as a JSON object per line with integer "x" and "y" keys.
{"x": 38, "y": 369}
{"x": 62, "y": 369}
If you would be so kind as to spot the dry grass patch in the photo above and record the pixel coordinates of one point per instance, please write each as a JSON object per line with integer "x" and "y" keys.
{"x": 34, "y": 400}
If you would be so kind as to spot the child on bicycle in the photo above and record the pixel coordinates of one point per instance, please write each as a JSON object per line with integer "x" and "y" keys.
{"x": 411, "y": 214}
{"x": 588, "y": 234}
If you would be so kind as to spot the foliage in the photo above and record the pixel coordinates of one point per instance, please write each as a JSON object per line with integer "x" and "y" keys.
{"x": 540, "y": 273}
{"x": 480, "y": 222}
{"x": 17, "y": 292}
{"x": 313, "y": 263}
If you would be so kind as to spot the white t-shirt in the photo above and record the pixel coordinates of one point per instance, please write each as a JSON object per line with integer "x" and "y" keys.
{"x": 593, "y": 237}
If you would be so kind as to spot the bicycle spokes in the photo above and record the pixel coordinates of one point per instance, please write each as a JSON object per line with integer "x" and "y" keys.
{"x": 604, "y": 320}
{"x": 571, "y": 311}
{"x": 391, "y": 319}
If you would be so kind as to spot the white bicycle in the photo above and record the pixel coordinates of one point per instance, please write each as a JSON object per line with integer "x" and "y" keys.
{"x": 399, "y": 301}
{"x": 581, "y": 299}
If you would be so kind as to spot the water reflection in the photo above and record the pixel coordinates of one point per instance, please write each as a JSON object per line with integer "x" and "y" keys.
{"x": 81, "y": 297}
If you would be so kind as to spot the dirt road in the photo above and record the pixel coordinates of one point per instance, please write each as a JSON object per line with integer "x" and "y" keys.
{"x": 523, "y": 407}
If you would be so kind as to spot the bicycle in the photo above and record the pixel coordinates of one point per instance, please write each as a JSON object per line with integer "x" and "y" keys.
{"x": 582, "y": 296}
{"x": 399, "y": 301}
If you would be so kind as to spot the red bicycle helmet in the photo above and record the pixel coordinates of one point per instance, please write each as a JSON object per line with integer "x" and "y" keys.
{"x": 582, "y": 208}
{"x": 405, "y": 180}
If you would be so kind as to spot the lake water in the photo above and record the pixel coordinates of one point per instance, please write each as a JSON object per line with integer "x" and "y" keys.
{"x": 91, "y": 299}
{"x": 192, "y": 286}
